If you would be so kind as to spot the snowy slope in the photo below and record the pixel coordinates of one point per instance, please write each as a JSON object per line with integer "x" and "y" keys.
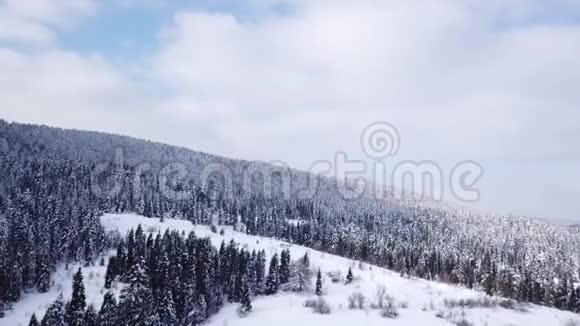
{"x": 425, "y": 299}
{"x": 34, "y": 302}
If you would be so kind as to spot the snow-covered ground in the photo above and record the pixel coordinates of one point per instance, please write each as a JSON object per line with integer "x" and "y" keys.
{"x": 34, "y": 302}
{"x": 424, "y": 299}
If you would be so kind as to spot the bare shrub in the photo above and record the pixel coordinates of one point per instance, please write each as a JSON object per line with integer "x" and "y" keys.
{"x": 382, "y": 299}
{"x": 310, "y": 303}
{"x": 487, "y": 303}
{"x": 319, "y": 306}
{"x": 335, "y": 276}
{"x": 455, "y": 318}
{"x": 463, "y": 322}
{"x": 571, "y": 323}
{"x": 356, "y": 301}
{"x": 390, "y": 311}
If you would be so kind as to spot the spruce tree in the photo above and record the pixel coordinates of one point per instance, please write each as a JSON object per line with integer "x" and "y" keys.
{"x": 273, "y": 279}
{"x": 303, "y": 274}
{"x": 318, "y": 290}
{"x": 91, "y": 318}
{"x": 246, "y": 299}
{"x": 54, "y": 315}
{"x": 166, "y": 308}
{"x": 33, "y": 321}
{"x": 259, "y": 272}
{"x": 108, "y": 313}
{"x": 42, "y": 274}
{"x": 349, "y": 276}
{"x": 285, "y": 266}
{"x": 110, "y": 273}
{"x": 75, "y": 309}
{"x": 136, "y": 300}
{"x": 577, "y": 308}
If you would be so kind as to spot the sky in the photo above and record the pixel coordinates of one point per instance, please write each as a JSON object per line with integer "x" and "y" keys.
{"x": 495, "y": 82}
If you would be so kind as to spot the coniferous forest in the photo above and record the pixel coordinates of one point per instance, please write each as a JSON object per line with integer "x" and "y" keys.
{"x": 174, "y": 279}
{"x": 56, "y": 183}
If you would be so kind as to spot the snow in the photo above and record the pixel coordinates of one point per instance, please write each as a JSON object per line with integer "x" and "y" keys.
{"x": 61, "y": 282}
{"x": 424, "y": 298}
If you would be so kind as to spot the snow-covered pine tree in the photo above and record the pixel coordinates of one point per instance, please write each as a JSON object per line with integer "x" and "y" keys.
{"x": 246, "y": 299}
{"x": 136, "y": 300}
{"x": 259, "y": 272}
{"x": 285, "y": 266}
{"x": 54, "y": 315}
{"x": 111, "y": 272}
{"x": 33, "y": 321}
{"x": 42, "y": 273}
{"x": 577, "y": 308}
{"x": 318, "y": 290}
{"x": 349, "y": 276}
{"x": 166, "y": 308}
{"x": 108, "y": 315}
{"x": 561, "y": 294}
{"x": 303, "y": 274}
{"x": 573, "y": 299}
{"x": 273, "y": 279}
{"x": 91, "y": 318}
{"x": 75, "y": 309}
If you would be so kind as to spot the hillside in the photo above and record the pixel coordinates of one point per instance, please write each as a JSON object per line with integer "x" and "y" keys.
{"x": 57, "y": 182}
{"x": 424, "y": 301}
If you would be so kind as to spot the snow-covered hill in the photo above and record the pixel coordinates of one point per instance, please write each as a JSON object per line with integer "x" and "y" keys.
{"x": 418, "y": 302}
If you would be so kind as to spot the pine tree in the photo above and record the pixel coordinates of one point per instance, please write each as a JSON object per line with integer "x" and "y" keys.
{"x": 303, "y": 274}
{"x": 110, "y": 273}
{"x": 573, "y": 299}
{"x": 42, "y": 274}
{"x": 273, "y": 279}
{"x": 33, "y": 321}
{"x": 196, "y": 313}
{"x": 285, "y": 266}
{"x": 75, "y": 309}
{"x": 319, "y": 283}
{"x": 349, "y": 276}
{"x": 246, "y": 299}
{"x": 259, "y": 272}
{"x": 108, "y": 313}
{"x": 136, "y": 301}
{"x": 91, "y": 318}
{"x": 54, "y": 315}
{"x": 561, "y": 296}
{"x": 166, "y": 308}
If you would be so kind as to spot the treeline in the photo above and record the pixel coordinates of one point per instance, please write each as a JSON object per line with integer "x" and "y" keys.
{"x": 63, "y": 170}
{"x": 174, "y": 279}
{"x": 522, "y": 284}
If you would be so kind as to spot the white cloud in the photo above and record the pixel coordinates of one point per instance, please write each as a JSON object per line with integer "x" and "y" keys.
{"x": 33, "y": 22}
{"x": 491, "y": 81}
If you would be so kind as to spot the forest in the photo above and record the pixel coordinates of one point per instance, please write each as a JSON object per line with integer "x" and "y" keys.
{"x": 49, "y": 210}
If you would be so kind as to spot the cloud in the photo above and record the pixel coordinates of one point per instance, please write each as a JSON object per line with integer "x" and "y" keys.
{"x": 490, "y": 81}
{"x": 33, "y": 22}
{"x": 390, "y": 60}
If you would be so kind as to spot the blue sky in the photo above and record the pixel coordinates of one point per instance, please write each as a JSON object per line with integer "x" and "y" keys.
{"x": 297, "y": 81}
{"x": 119, "y": 30}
